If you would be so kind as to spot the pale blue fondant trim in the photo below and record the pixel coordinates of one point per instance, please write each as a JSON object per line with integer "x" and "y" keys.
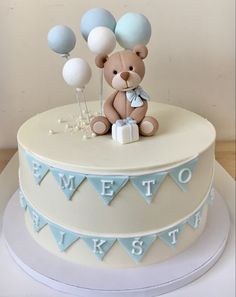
{"x": 148, "y": 185}
{"x": 136, "y": 246}
{"x": 38, "y": 168}
{"x": 67, "y": 180}
{"x": 100, "y": 246}
{"x": 107, "y": 186}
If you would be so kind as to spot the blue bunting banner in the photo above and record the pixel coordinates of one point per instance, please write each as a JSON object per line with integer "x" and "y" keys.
{"x": 136, "y": 247}
{"x": 23, "y": 202}
{"x": 195, "y": 220}
{"x": 211, "y": 196}
{"x": 98, "y": 245}
{"x": 108, "y": 186}
{"x": 38, "y": 221}
{"x": 182, "y": 175}
{"x": 171, "y": 236}
{"x": 148, "y": 185}
{"x": 38, "y": 168}
{"x": 63, "y": 237}
{"x": 68, "y": 181}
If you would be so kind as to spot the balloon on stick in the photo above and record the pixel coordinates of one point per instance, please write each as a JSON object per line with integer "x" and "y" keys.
{"x": 96, "y": 17}
{"x": 101, "y": 40}
{"x": 77, "y": 73}
{"x": 62, "y": 40}
{"x": 132, "y": 29}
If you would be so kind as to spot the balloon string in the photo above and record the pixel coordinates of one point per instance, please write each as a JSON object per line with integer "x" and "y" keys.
{"x": 79, "y": 103}
{"x": 66, "y": 56}
{"x": 101, "y": 91}
{"x": 85, "y": 103}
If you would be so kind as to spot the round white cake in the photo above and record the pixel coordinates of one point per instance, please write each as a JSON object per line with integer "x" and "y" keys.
{"x": 96, "y": 202}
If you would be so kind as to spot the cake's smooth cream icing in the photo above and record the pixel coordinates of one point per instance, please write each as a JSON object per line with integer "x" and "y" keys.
{"x": 184, "y": 139}
{"x": 182, "y": 135}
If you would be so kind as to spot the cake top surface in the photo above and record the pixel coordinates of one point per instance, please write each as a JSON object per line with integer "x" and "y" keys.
{"x": 182, "y": 135}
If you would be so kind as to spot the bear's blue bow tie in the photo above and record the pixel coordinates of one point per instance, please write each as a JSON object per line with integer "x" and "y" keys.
{"x": 136, "y": 96}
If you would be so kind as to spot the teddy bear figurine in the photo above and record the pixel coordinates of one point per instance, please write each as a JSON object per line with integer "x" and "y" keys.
{"x": 124, "y": 71}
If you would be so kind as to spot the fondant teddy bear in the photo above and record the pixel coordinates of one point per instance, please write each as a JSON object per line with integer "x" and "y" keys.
{"x": 124, "y": 72}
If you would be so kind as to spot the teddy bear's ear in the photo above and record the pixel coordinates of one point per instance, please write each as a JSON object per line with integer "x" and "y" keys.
{"x": 141, "y": 51}
{"x": 100, "y": 60}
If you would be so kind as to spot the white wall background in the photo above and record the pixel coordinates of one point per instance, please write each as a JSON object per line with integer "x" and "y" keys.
{"x": 190, "y": 63}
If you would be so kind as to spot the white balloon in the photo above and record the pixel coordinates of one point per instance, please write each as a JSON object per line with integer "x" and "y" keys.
{"x": 77, "y": 73}
{"x": 101, "y": 40}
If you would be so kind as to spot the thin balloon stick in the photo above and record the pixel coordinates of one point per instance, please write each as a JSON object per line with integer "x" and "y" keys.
{"x": 78, "y": 101}
{"x": 85, "y": 103}
{"x": 101, "y": 92}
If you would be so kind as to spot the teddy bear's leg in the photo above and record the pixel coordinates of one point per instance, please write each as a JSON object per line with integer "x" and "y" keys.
{"x": 100, "y": 125}
{"x": 148, "y": 126}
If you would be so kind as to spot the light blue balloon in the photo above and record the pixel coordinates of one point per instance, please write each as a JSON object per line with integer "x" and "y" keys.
{"x": 61, "y": 39}
{"x": 132, "y": 29}
{"x": 96, "y": 17}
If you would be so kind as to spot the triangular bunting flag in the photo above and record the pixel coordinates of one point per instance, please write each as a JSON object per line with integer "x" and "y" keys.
{"x": 23, "y": 203}
{"x": 98, "y": 245}
{"x": 107, "y": 186}
{"x": 211, "y": 196}
{"x": 170, "y": 237}
{"x": 137, "y": 246}
{"x": 148, "y": 185}
{"x": 68, "y": 181}
{"x": 182, "y": 175}
{"x": 38, "y": 221}
{"x": 195, "y": 220}
{"x": 38, "y": 169}
{"x": 64, "y": 238}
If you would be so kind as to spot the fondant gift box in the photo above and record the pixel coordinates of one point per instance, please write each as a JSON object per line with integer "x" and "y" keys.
{"x": 125, "y": 131}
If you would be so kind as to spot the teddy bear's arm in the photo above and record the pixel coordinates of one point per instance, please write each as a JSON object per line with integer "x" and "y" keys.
{"x": 139, "y": 112}
{"x": 109, "y": 110}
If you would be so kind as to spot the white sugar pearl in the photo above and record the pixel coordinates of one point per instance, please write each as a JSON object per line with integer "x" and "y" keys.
{"x": 50, "y": 132}
{"x": 85, "y": 137}
{"x": 93, "y": 135}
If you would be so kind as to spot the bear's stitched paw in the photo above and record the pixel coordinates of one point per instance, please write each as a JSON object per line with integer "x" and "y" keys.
{"x": 100, "y": 125}
{"x": 148, "y": 126}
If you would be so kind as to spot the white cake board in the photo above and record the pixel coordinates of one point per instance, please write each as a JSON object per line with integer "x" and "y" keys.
{"x": 147, "y": 281}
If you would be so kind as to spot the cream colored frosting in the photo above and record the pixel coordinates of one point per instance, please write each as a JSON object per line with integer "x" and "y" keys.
{"x": 182, "y": 136}
{"x": 117, "y": 257}
{"x": 128, "y": 213}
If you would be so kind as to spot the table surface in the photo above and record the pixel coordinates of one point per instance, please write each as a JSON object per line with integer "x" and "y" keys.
{"x": 225, "y": 155}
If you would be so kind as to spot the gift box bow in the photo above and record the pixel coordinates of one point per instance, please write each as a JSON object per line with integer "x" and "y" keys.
{"x": 123, "y": 122}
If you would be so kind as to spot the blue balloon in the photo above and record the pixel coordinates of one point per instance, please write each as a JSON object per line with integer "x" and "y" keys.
{"x": 132, "y": 29}
{"x": 61, "y": 39}
{"x": 96, "y": 17}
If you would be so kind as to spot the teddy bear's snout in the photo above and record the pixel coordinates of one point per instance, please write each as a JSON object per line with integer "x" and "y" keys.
{"x": 124, "y": 75}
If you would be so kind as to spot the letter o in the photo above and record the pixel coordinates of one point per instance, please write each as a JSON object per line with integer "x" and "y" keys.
{"x": 187, "y": 179}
